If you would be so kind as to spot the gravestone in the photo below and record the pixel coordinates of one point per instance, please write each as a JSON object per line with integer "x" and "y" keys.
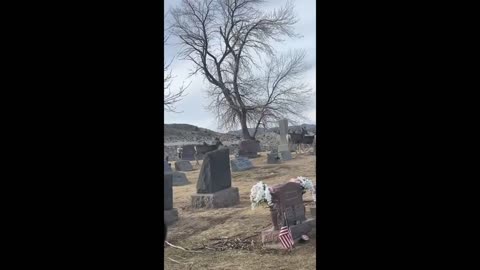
{"x": 214, "y": 185}
{"x": 183, "y": 166}
{"x": 273, "y": 158}
{"x": 170, "y": 214}
{"x": 249, "y": 148}
{"x": 285, "y": 155}
{"x": 188, "y": 152}
{"x": 240, "y": 164}
{"x": 283, "y": 148}
{"x": 179, "y": 179}
{"x": 287, "y": 203}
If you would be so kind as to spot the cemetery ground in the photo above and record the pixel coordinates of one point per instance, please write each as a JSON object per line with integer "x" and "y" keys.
{"x": 230, "y": 238}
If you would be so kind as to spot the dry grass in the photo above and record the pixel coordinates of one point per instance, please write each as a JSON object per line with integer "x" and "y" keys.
{"x": 198, "y": 228}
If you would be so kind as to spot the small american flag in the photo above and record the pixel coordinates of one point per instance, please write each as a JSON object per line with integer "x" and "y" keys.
{"x": 285, "y": 237}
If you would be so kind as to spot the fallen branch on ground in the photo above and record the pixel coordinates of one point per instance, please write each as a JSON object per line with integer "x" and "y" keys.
{"x": 173, "y": 260}
{"x": 181, "y": 248}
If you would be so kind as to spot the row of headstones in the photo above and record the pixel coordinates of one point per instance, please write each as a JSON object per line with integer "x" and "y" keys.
{"x": 214, "y": 190}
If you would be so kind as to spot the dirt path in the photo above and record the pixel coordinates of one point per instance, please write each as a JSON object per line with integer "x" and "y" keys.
{"x": 196, "y": 228}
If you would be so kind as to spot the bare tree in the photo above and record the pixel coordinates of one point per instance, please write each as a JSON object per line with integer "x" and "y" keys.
{"x": 226, "y": 40}
{"x": 170, "y": 97}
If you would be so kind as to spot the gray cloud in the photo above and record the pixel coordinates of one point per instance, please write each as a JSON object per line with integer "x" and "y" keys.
{"x": 192, "y": 107}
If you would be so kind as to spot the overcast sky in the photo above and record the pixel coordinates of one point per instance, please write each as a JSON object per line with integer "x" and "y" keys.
{"x": 192, "y": 107}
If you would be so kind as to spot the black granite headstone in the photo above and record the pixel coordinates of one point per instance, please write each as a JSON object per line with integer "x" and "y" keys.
{"x": 188, "y": 152}
{"x": 167, "y": 191}
{"x": 249, "y": 148}
{"x": 215, "y": 173}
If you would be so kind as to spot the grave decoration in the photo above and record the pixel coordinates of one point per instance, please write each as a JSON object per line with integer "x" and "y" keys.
{"x": 286, "y": 207}
{"x": 260, "y": 194}
{"x": 306, "y": 184}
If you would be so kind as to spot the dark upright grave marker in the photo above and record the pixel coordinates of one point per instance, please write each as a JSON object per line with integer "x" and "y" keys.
{"x": 249, "y": 148}
{"x": 170, "y": 214}
{"x": 287, "y": 203}
{"x": 188, "y": 152}
{"x": 214, "y": 185}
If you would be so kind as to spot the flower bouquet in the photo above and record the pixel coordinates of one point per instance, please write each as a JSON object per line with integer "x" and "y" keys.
{"x": 260, "y": 194}
{"x": 307, "y": 185}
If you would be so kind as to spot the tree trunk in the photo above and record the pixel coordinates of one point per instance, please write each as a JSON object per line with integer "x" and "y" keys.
{"x": 245, "y": 133}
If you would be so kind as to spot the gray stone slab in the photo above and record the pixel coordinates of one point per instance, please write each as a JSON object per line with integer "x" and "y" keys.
{"x": 283, "y": 128}
{"x": 273, "y": 158}
{"x": 215, "y": 174}
{"x": 221, "y": 199}
{"x": 313, "y": 211}
{"x": 170, "y": 216}
{"x": 167, "y": 191}
{"x": 183, "y": 166}
{"x": 179, "y": 179}
{"x": 285, "y": 155}
{"x": 240, "y": 164}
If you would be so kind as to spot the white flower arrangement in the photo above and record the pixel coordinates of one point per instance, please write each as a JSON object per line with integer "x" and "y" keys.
{"x": 306, "y": 184}
{"x": 260, "y": 194}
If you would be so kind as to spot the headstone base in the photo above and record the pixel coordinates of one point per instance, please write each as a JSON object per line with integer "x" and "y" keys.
{"x": 313, "y": 211}
{"x": 284, "y": 152}
{"x": 170, "y": 216}
{"x": 285, "y": 155}
{"x": 221, "y": 199}
{"x": 270, "y": 236}
{"x": 273, "y": 158}
{"x": 179, "y": 179}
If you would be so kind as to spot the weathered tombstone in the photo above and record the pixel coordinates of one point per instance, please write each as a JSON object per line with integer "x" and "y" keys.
{"x": 170, "y": 214}
{"x": 287, "y": 203}
{"x": 188, "y": 152}
{"x": 214, "y": 185}
{"x": 249, "y": 148}
{"x": 183, "y": 166}
{"x": 179, "y": 179}
{"x": 273, "y": 158}
{"x": 240, "y": 164}
{"x": 283, "y": 148}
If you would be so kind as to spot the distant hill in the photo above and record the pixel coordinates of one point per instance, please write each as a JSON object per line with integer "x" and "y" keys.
{"x": 308, "y": 127}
